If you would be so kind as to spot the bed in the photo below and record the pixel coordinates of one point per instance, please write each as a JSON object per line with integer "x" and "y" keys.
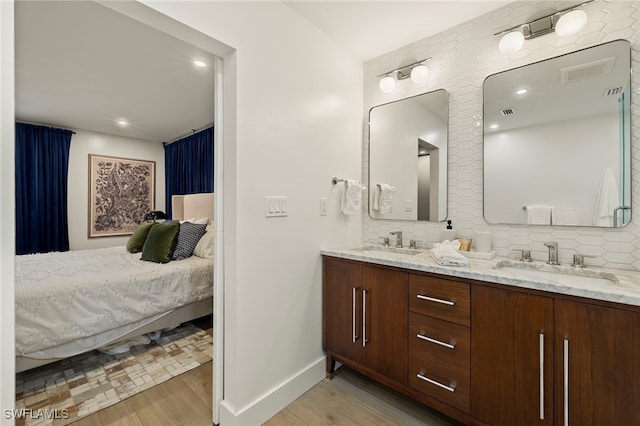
{"x": 69, "y": 303}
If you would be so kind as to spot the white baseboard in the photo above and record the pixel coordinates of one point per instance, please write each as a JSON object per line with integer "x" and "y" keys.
{"x": 265, "y": 407}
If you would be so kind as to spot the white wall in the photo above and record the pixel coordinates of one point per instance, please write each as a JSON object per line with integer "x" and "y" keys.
{"x": 7, "y": 209}
{"x": 297, "y": 110}
{"x": 84, "y": 143}
{"x": 461, "y": 58}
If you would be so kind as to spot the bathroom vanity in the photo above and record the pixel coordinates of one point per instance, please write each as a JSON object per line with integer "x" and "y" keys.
{"x": 481, "y": 343}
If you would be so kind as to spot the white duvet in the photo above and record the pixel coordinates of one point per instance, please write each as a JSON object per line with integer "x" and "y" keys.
{"x": 61, "y": 297}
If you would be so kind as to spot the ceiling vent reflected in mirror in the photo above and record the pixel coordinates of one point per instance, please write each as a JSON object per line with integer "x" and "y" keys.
{"x": 597, "y": 68}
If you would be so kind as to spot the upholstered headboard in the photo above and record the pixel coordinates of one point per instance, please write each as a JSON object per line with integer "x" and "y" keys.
{"x": 193, "y": 206}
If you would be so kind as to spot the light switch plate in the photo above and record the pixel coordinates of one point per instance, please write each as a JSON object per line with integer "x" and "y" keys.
{"x": 323, "y": 206}
{"x": 275, "y": 206}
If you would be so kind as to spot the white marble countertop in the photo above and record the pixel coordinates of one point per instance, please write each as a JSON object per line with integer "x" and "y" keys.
{"x": 616, "y": 285}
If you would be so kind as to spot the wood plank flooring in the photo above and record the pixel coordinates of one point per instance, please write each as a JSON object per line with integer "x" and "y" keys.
{"x": 353, "y": 400}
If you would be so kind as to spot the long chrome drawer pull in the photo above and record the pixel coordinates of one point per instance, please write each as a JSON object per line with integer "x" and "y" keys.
{"x": 566, "y": 382}
{"x": 364, "y": 318}
{"x": 541, "y": 376}
{"x": 437, "y": 342}
{"x": 433, "y": 299}
{"x": 354, "y": 333}
{"x": 451, "y": 388}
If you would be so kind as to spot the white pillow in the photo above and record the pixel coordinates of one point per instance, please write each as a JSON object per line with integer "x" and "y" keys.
{"x": 188, "y": 220}
{"x": 205, "y": 246}
{"x": 200, "y": 221}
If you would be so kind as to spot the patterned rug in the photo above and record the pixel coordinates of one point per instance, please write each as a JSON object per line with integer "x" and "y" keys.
{"x": 62, "y": 392}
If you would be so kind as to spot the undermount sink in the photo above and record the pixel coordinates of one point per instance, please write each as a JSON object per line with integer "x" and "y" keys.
{"x": 388, "y": 249}
{"x": 567, "y": 274}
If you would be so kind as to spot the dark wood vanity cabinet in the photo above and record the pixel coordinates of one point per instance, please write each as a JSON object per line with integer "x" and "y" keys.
{"x": 365, "y": 317}
{"x": 483, "y": 353}
{"x": 537, "y": 359}
{"x": 511, "y": 357}
{"x": 597, "y": 358}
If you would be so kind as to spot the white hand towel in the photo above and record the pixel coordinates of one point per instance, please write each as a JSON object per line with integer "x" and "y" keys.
{"x": 539, "y": 215}
{"x": 446, "y": 253}
{"x": 607, "y": 199}
{"x": 383, "y": 198}
{"x": 351, "y": 203}
{"x": 564, "y": 216}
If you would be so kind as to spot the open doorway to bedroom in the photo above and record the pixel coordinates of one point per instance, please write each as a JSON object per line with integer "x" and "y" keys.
{"x": 166, "y": 97}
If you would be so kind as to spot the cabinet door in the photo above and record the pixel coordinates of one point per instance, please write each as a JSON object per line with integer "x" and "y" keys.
{"x": 598, "y": 358}
{"x": 385, "y": 328}
{"x": 342, "y": 308}
{"x": 511, "y": 357}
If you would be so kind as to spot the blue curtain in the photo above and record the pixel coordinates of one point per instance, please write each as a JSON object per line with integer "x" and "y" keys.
{"x": 42, "y": 165}
{"x": 188, "y": 165}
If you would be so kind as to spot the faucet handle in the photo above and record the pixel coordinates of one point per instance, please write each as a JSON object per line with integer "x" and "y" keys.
{"x": 413, "y": 244}
{"x": 578, "y": 260}
{"x": 525, "y": 255}
{"x": 385, "y": 241}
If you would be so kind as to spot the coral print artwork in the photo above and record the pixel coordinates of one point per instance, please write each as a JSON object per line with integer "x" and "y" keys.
{"x": 121, "y": 192}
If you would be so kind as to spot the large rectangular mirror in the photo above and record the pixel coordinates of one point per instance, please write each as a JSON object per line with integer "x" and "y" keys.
{"x": 408, "y": 158}
{"x": 557, "y": 139}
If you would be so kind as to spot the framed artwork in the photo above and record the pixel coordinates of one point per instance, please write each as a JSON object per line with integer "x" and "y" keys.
{"x": 121, "y": 192}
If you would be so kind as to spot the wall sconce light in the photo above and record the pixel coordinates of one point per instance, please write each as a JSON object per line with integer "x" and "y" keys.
{"x": 565, "y": 22}
{"x": 418, "y": 72}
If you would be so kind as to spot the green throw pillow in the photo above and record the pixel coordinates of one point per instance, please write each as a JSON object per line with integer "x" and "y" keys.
{"x": 137, "y": 239}
{"x": 161, "y": 242}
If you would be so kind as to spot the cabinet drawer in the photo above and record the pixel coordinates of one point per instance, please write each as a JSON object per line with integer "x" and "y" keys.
{"x": 443, "y": 299}
{"x": 439, "y": 360}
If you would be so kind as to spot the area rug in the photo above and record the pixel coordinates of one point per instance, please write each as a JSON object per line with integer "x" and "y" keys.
{"x": 60, "y": 393}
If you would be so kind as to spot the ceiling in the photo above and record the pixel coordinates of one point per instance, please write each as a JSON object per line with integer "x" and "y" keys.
{"x": 80, "y": 65}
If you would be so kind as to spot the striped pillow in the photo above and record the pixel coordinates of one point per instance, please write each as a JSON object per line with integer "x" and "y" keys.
{"x": 188, "y": 237}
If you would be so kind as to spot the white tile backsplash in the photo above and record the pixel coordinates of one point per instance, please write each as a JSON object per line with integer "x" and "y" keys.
{"x": 462, "y": 57}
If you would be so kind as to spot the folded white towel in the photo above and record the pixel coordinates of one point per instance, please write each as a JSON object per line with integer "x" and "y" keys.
{"x": 564, "y": 216}
{"x": 446, "y": 253}
{"x": 383, "y": 198}
{"x": 351, "y": 202}
{"x": 539, "y": 215}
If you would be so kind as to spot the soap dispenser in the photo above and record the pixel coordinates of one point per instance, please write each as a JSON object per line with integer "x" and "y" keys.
{"x": 448, "y": 233}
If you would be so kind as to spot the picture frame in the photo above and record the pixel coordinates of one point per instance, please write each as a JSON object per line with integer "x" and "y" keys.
{"x": 121, "y": 193}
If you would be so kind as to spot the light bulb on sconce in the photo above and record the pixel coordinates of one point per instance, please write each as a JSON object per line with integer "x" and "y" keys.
{"x": 571, "y": 23}
{"x": 418, "y": 72}
{"x": 387, "y": 84}
{"x": 511, "y": 42}
{"x": 565, "y": 22}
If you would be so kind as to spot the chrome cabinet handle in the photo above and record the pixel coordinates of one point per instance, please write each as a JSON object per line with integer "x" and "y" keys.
{"x": 437, "y": 342}
{"x": 541, "y": 376}
{"x": 364, "y": 318}
{"x": 433, "y": 299}
{"x": 354, "y": 335}
{"x": 450, "y": 388}
{"x": 566, "y": 382}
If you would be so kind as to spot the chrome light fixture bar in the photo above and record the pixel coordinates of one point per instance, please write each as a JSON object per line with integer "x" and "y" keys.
{"x": 564, "y": 22}
{"x": 418, "y": 72}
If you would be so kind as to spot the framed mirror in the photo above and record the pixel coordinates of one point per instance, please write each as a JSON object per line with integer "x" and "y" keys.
{"x": 557, "y": 139}
{"x": 408, "y": 158}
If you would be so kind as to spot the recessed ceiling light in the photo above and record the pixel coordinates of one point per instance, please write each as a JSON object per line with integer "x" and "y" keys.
{"x": 200, "y": 64}
{"x": 493, "y": 126}
{"x": 122, "y": 123}
{"x": 521, "y": 91}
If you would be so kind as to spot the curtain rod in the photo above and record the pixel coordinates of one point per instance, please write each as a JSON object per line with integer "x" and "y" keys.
{"x": 45, "y": 125}
{"x": 193, "y": 132}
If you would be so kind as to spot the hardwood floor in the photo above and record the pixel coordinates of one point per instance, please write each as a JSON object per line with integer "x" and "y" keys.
{"x": 184, "y": 400}
{"x": 352, "y": 399}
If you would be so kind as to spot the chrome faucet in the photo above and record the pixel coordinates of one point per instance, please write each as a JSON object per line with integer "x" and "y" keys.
{"x": 398, "y": 235}
{"x": 553, "y": 252}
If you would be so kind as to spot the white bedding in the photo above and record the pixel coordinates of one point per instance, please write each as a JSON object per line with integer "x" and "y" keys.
{"x": 61, "y": 297}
